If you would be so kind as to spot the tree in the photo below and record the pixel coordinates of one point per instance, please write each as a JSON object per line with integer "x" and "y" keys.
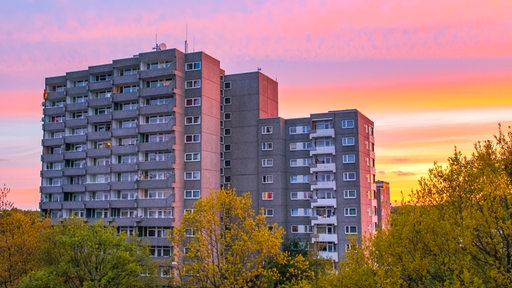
{"x": 456, "y": 230}
{"x": 222, "y": 243}
{"x": 4, "y": 203}
{"x": 20, "y": 238}
{"x": 77, "y": 254}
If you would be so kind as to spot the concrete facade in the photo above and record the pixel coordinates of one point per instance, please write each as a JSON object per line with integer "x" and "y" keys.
{"x": 137, "y": 141}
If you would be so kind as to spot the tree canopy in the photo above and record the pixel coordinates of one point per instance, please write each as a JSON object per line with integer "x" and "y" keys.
{"x": 77, "y": 254}
{"x": 223, "y": 243}
{"x": 456, "y": 230}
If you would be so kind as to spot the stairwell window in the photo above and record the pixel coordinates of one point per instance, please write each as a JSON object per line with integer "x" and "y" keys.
{"x": 193, "y": 138}
{"x": 266, "y": 146}
{"x": 349, "y": 194}
{"x": 191, "y": 66}
{"x": 190, "y": 84}
{"x": 192, "y": 194}
{"x": 349, "y": 176}
{"x": 190, "y": 102}
{"x": 350, "y": 212}
{"x": 350, "y": 229}
{"x": 267, "y": 179}
{"x": 268, "y": 212}
{"x": 267, "y": 195}
{"x": 267, "y": 162}
{"x": 266, "y": 130}
{"x": 348, "y": 141}
{"x": 192, "y": 175}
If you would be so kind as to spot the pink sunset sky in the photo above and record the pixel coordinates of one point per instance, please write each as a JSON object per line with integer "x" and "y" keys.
{"x": 431, "y": 74}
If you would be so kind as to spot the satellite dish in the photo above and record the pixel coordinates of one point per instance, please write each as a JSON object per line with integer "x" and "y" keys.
{"x": 162, "y": 46}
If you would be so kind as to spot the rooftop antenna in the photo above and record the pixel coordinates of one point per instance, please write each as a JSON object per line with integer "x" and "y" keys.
{"x": 157, "y": 47}
{"x": 186, "y": 38}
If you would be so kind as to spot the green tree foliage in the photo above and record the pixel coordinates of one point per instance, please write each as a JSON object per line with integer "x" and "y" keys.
{"x": 77, "y": 254}
{"x": 20, "y": 238}
{"x": 455, "y": 232}
{"x": 226, "y": 243}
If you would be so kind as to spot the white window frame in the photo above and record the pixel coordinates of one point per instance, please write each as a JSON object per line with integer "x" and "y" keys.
{"x": 227, "y": 85}
{"x": 267, "y": 179}
{"x": 267, "y": 195}
{"x": 348, "y": 141}
{"x": 227, "y": 100}
{"x": 348, "y": 123}
{"x": 347, "y": 176}
{"x": 268, "y": 212}
{"x": 192, "y": 157}
{"x": 349, "y": 194}
{"x": 192, "y": 102}
{"x": 267, "y": 129}
{"x": 192, "y": 66}
{"x": 268, "y": 162}
{"x": 267, "y": 146}
{"x": 192, "y": 120}
{"x": 192, "y": 84}
{"x": 192, "y": 175}
{"x": 351, "y": 229}
{"x": 351, "y": 211}
{"x": 192, "y": 194}
{"x": 195, "y": 138}
{"x": 349, "y": 158}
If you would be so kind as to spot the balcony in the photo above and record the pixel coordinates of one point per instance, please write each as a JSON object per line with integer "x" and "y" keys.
{"x": 98, "y": 169}
{"x": 126, "y": 79}
{"x": 52, "y": 111}
{"x": 51, "y": 173}
{"x": 52, "y": 157}
{"x": 72, "y": 107}
{"x": 323, "y": 185}
{"x": 97, "y": 204}
{"x": 72, "y": 205}
{"x": 73, "y": 123}
{"x": 325, "y": 238}
{"x": 127, "y": 96}
{"x": 56, "y": 95}
{"x": 156, "y": 91}
{"x": 157, "y": 222}
{"x": 123, "y": 185}
{"x": 123, "y": 168}
{"x": 154, "y": 203}
{"x": 50, "y": 205}
{"x": 156, "y": 128}
{"x": 101, "y": 85}
{"x": 100, "y": 102}
{"x": 100, "y": 152}
{"x": 322, "y": 133}
{"x": 73, "y": 188}
{"x": 330, "y": 167}
{"x": 121, "y": 132}
{"x": 323, "y": 150}
{"x": 53, "y": 126}
{"x": 328, "y": 255}
{"x": 125, "y": 149}
{"x": 125, "y": 221}
{"x": 157, "y": 241}
{"x": 51, "y": 189}
{"x": 77, "y": 90}
{"x": 124, "y": 114}
{"x": 166, "y": 145}
{"x": 53, "y": 142}
{"x": 97, "y": 186}
{"x": 149, "y": 165}
{"x": 315, "y": 220}
{"x": 102, "y": 135}
{"x": 74, "y": 171}
{"x": 99, "y": 118}
{"x": 157, "y": 109}
{"x": 123, "y": 203}
{"x": 153, "y": 73}
{"x": 75, "y": 139}
{"x": 323, "y": 202}
{"x": 153, "y": 184}
{"x": 74, "y": 155}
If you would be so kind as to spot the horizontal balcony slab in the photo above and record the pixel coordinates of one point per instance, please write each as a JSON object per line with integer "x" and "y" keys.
{"x": 53, "y": 142}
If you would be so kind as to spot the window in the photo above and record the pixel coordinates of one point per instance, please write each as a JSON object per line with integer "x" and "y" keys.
{"x": 158, "y": 83}
{"x": 349, "y": 194}
{"x": 156, "y": 194}
{"x": 128, "y": 123}
{"x": 192, "y": 194}
{"x": 227, "y": 131}
{"x": 158, "y": 101}
{"x": 129, "y": 106}
{"x": 192, "y": 138}
{"x": 189, "y": 232}
{"x": 192, "y": 175}
{"x": 227, "y": 116}
{"x": 349, "y": 158}
{"x": 303, "y": 195}
{"x": 158, "y": 212}
{"x": 127, "y": 141}
{"x": 80, "y": 83}
{"x": 227, "y": 179}
{"x": 323, "y": 124}
{"x": 265, "y": 146}
{"x": 350, "y": 229}
{"x": 300, "y": 146}
{"x": 267, "y": 162}
{"x": 266, "y": 130}
{"x": 348, "y": 141}
{"x": 350, "y": 211}
{"x": 195, "y": 156}
{"x": 267, "y": 195}
{"x": 227, "y": 85}
{"x": 347, "y": 123}
{"x": 301, "y": 229}
{"x": 190, "y": 120}
{"x": 157, "y": 119}
{"x": 227, "y": 147}
{"x": 129, "y": 71}
{"x": 192, "y": 102}
{"x": 227, "y": 163}
{"x": 190, "y": 84}
{"x": 267, "y": 179}
{"x": 269, "y": 212}
{"x": 300, "y": 162}
{"x": 102, "y": 111}
{"x": 128, "y": 89}
{"x": 127, "y": 177}
{"x": 300, "y": 178}
{"x": 103, "y": 77}
{"x": 227, "y": 100}
{"x": 159, "y": 137}
{"x": 324, "y": 142}
{"x": 300, "y": 212}
{"x": 349, "y": 176}
{"x": 193, "y": 66}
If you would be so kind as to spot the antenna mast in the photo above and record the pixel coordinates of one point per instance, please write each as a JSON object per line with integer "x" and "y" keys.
{"x": 186, "y": 38}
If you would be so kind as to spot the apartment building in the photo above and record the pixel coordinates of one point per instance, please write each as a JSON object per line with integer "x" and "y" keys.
{"x": 137, "y": 141}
